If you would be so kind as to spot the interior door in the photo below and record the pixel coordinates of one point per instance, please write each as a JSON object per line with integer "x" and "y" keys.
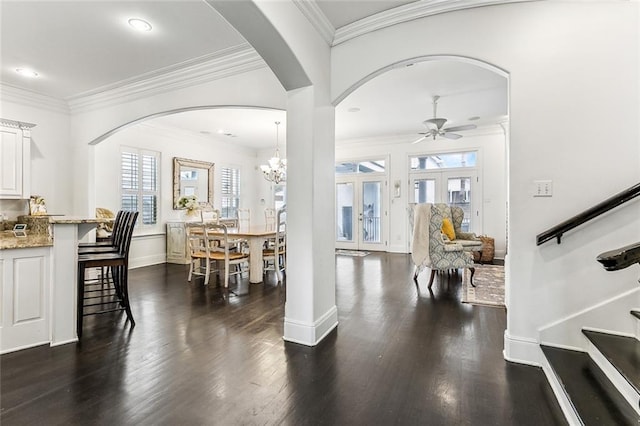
{"x": 454, "y": 187}
{"x": 360, "y": 213}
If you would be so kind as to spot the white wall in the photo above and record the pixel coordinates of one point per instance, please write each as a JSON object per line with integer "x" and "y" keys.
{"x": 491, "y": 149}
{"x": 50, "y": 145}
{"x": 574, "y": 104}
{"x": 148, "y": 245}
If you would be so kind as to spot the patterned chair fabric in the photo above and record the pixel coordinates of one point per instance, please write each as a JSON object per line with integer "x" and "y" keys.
{"x": 445, "y": 255}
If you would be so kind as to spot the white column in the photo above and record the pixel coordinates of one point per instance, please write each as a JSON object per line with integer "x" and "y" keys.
{"x": 310, "y": 310}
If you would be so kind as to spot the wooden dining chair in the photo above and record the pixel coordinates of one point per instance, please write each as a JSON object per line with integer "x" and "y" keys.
{"x": 199, "y": 261}
{"x": 218, "y": 249}
{"x": 244, "y": 218}
{"x": 95, "y": 301}
{"x": 270, "y": 217}
{"x": 209, "y": 215}
{"x": 275, "y": 253}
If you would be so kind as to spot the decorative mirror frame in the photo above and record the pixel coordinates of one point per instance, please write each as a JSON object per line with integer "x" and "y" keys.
{"x": 178, "y": 163}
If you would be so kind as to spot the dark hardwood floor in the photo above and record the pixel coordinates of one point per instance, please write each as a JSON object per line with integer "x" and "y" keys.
{"x": 204, "y": 356}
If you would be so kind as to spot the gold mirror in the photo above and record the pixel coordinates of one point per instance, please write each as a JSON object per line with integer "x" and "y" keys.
{"x": 192, "y": 177}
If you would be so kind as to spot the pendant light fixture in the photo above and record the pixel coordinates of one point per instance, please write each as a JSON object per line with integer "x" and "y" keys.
{"x": 276, "y": 170}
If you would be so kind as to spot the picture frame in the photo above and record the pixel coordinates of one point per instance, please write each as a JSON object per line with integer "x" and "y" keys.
{"x": 37, "y": 206}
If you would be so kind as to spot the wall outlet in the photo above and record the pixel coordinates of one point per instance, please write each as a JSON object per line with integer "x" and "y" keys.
{"x": 542, "y": 188}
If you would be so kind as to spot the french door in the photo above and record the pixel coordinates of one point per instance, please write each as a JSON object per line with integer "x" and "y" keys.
{"x": 453, "y": 187}
{"x": 360, "y": 213}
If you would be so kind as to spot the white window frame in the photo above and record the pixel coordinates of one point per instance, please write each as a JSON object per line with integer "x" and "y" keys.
{"x": 237, "y": 194}
{"x": 140, "y": 192}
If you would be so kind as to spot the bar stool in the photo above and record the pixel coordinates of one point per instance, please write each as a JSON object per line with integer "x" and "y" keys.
{"x": 118, "y": 261}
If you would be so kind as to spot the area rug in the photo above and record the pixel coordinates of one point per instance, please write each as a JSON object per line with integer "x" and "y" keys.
{"x": 489, "y": 289}
{"x": 355, "y": 253}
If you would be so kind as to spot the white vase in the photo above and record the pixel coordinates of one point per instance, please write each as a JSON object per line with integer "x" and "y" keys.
{"x": 191, "y": 215}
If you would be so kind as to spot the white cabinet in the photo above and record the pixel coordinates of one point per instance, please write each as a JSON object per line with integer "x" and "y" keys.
{"x": 25, "y": 278}
{"x": 177, "y": 243}
{"x": 15, "y": 159}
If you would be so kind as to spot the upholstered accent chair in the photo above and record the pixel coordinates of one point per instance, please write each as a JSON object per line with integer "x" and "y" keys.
{"x": 431, "y": 249}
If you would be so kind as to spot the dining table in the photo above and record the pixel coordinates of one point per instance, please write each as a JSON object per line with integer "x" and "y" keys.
{"x": 256, "y": 235}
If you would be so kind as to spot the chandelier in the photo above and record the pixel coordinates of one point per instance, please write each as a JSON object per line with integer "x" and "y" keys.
{"x": 276, "y": 170}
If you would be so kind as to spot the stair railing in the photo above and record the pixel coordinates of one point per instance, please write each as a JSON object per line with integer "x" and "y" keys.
{"x": 577, "y": 220}
{"x": 614, "y": 260}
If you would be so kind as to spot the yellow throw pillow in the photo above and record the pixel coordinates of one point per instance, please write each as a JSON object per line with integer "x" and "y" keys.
{"x": 447, "y": 229}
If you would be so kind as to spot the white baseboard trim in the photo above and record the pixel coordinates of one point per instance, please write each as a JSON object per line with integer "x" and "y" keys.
{"x": 64, "y": 342}
{"x": 521, "y": 350}
{"x": 19, "y": 348}
{"x": 561, "y": 396}
{"x": 310, "y": 334}
{"x": 627, "y": 391}
{"x": 139, "y": 262}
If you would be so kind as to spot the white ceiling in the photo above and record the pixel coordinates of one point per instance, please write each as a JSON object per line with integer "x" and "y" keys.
{"x": 80, "y": 48}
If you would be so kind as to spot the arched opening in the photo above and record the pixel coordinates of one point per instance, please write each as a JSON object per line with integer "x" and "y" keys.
{"x": 380, "y": 119}
{"x": 235, "y": 139}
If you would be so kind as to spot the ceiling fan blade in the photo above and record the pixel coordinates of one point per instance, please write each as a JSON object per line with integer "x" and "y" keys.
{"x": 460, "y": 128}
{"x": 420, "y": 138}
{"x": 451, "y": 135}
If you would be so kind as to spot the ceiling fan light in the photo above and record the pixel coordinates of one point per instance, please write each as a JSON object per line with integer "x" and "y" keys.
{"x": 140, "y": 25}
{"x": 437, "y": 122}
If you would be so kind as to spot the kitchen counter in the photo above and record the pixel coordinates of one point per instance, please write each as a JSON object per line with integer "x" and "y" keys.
{"x": 9, "y": 241}
{"x": 77, "y": 220}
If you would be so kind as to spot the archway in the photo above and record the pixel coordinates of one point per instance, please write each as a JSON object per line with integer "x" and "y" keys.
{"x": 490, "y": 212}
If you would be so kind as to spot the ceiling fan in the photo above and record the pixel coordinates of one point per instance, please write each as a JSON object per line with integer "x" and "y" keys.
{"x": 435, "y": 126}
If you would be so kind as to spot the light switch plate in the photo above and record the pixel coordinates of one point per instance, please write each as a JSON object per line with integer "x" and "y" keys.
{"x": 542, "y": 188}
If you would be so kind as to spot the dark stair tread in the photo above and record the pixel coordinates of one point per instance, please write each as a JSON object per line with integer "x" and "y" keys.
{"x": 622, "y": 352}
{"x": 636, "y": 314}
{"x": 594, "y": 397}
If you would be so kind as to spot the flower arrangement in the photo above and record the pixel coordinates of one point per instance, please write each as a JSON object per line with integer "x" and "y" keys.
{"x": 189, "y": 203}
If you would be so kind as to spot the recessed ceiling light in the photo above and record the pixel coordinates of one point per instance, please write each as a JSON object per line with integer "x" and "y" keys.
{"x": 140, "y": 24}
{"x": 26, "y": 72}
{"x": 474, "y": 118}
{"x": 221, "y": 131}
{"x": 354, "y": 109}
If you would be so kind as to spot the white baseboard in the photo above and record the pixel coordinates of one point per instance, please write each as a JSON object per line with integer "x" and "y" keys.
{"x": 521, "y": 350}
{"x": 627, "y": 391}
{"x": 139, "y": 262}
{"x": 310, "y": 334}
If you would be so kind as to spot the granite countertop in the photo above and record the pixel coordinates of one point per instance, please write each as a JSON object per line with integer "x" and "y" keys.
{"x": 9, "y": 241}
{"x": 77, "y": 219}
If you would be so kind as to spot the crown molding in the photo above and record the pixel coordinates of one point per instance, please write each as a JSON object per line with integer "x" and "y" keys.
{"x": 16, "y": 124}
{"x": 221, "y": 64}
{"x": 318, "y": 19}
{"x": 408, "y": 12}
{"x": 10, "y": 93}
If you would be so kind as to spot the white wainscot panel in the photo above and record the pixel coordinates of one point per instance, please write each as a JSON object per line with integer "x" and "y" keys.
{"x": 25, "y": 284}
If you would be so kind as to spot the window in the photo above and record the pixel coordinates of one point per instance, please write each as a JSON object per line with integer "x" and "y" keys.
{"x": 444, "y": 161}
{"x": 230, "y": 199}
{"x": 139, "y": 183}
{"x": 366, "y": 166}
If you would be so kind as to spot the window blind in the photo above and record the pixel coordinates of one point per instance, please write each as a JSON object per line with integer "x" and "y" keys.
{"x": 139, "y": 183}
{"x": 230, "y": 197}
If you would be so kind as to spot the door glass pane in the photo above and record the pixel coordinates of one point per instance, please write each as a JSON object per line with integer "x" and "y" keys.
{"x": 371, "y": 212}
{"x": 344, "y": 212}
{"x": 459, "y": 194}
{"x": 424, "y": 190}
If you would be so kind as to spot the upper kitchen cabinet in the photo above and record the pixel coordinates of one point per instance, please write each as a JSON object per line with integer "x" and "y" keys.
{"x": 15, "y": 159}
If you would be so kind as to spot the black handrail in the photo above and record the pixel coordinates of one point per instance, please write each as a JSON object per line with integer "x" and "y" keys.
{"x": 621, "y": 258}
{"x": 597, "y": 210}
